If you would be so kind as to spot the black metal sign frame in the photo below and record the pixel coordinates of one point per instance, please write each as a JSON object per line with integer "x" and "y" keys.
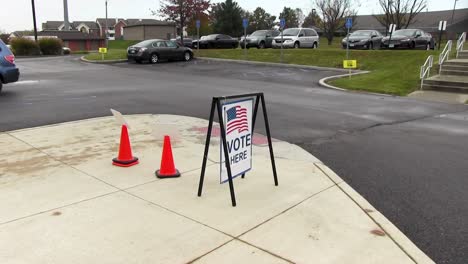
{"x": 216, "y": 103}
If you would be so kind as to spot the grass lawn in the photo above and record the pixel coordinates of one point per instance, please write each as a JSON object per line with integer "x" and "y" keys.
{"x": 112, "y": 54}
{"x": 392, "y": 71}
{"x": 121, "y": 44}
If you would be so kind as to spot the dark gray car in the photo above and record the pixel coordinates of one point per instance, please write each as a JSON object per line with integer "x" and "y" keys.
{"x": 259, "y": 39}
{"x": 155, "y": 50}
{"x": 409, "y": 38}
{"x": 363, "y": 39}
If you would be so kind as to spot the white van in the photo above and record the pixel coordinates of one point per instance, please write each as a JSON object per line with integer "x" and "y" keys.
{"x": 297, "y": 38}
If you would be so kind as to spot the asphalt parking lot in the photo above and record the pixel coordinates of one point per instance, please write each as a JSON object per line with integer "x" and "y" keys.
{"x": 407, "y": 157}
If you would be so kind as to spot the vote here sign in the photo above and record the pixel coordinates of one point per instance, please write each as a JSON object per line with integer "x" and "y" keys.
{"x": 237, "y": 119}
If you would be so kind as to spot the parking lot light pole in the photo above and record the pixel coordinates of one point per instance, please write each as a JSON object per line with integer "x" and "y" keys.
{"x": 107, "y": 38}
{"x": 34, "y": 19}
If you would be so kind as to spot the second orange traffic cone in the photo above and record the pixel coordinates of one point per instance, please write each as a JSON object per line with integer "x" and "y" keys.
{"x": 125, "y": 158}
{"x": 167, "y": 169}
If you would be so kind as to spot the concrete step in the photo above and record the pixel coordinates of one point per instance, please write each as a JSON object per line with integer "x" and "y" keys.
{"x": 453, "y": 72}
{"x": 463, "y": 54}
{"x": 457, "y": 62}
{"x": 455, "y": 67}
{"x": 446, "y": 83}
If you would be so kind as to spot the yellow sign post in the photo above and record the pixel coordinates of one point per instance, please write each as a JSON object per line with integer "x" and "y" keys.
{"x": 103, "y": 51}
{"x": 350, "y": 64}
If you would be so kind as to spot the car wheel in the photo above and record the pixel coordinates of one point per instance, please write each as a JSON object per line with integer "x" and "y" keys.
{"x": 187, "y": 56}
{"x": 154, "y": 58}
{"x": 261, "y": 45}
{"x": 297, "y": 45}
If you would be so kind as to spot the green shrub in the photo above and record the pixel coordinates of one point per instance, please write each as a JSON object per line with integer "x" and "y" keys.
{"x": 50, "y": 46}
{"x": 24, "y": 47}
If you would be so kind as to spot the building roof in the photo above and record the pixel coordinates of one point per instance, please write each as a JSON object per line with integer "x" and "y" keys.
{"x": 89, "y": 24}
{"x": 151, "y": 22}
{"x": 51, "y": 25}
{"x": 425, "y": 20}
{"x": 110, "y": 21}
{"x": 69, "y": 35}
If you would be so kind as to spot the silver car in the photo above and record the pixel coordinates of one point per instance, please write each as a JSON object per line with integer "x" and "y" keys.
{"x": 297, "y": 38}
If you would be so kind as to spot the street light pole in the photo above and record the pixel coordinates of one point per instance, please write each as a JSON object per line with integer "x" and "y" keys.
{"x": 34, "y": 19}
{"x": 453, "y": 11}
{"x": 107, "y": 38}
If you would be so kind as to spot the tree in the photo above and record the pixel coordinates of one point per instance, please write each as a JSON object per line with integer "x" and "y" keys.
{"x": 290, "y": 17}
{"x": 312, "y": 19}
{"x": 300, "y": 16}
{"x": 227, "y": 18}
{"x": 260, "y": 19}
{"x": 334, "y": 13}
{"x": 205, "y": 25}
{"x": 181, "y": 11}
{"x": 400, "y": 12}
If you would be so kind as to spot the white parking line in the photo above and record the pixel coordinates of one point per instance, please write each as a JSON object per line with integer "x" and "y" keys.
{"x": 24, "y": 82}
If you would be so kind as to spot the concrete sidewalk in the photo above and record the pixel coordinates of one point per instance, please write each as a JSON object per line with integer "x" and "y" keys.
{"x": 63, "y": 202}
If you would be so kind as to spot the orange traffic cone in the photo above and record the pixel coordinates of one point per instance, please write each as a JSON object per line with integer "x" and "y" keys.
{"x": 125, "y": 158}
{"x": 167, "y": 169}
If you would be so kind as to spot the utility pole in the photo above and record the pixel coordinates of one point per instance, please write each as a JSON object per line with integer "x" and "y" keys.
{"x": 34, "y": 19}
{"x": 107, "y": 38}
{"x": 453, "y": 11}
{"x": 66, "y": 23}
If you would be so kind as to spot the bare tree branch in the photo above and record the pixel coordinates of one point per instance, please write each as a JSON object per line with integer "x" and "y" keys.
{"x": 334, "y": 13}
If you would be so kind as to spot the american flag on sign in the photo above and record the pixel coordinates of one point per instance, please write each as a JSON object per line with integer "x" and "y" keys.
{"x": 237, "y": 120}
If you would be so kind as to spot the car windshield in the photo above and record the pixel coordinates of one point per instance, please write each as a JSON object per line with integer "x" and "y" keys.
{"x": 404, "y": 32}
{"x": 144, "y": 43}
{"x": 361, "y": 34}
{"x": 291, "y": 32}
{"x": 259, "y": 33}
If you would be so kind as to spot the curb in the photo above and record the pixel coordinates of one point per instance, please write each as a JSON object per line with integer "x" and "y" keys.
{"x": 322, "y": 82}
{"x": 400, "y": 239}
{"x": 274, "y": 64}
{"x": 82, "y": 58}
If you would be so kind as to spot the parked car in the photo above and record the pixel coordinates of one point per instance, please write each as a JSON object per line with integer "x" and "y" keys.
{"x": 155, "y": 50}
{"x": 409, "y": 38}
{"x": 259, "y": 39}
{"x": 9, "y": 73}
{"x": 363, "y": 39}
{"x": 216, "y": 41}
{"x": 297, "y": 38}
{"x": 188, "y": 42}
{"x": 66, "y": 51}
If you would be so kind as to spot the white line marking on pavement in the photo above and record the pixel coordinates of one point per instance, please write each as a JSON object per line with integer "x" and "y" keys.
{"x": 25, "y": 82}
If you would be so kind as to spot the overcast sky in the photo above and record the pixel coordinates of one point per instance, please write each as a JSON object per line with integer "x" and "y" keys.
{"x": 17, "y": 15}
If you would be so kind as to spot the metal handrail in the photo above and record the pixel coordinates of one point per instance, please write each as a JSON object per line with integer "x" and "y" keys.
{"x": 426, "y": 69}
{"x": 460, "y": 42}
{"x": 445, "y": 53}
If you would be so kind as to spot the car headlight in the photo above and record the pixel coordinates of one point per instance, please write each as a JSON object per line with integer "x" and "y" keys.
{"x": 288, "y": 40}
